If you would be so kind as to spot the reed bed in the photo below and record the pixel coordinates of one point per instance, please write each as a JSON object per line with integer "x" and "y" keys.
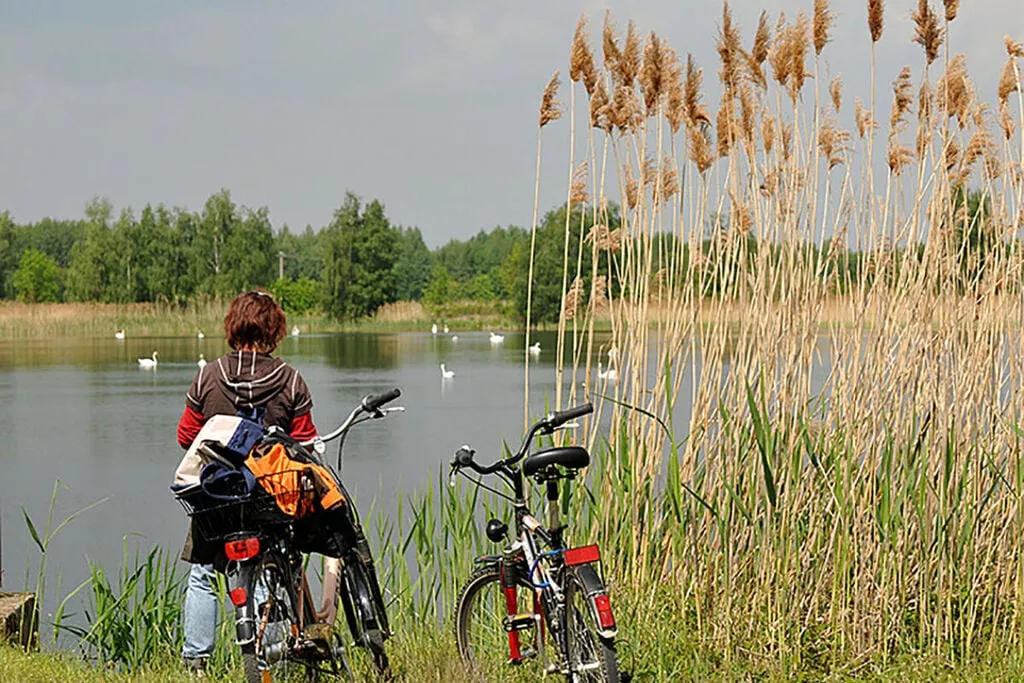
{"x": 882, "y": 515}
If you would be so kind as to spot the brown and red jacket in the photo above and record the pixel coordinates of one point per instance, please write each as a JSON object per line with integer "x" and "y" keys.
{"x": 242, "y": 382}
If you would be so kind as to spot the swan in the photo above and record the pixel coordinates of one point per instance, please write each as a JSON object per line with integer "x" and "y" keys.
{"x": 200, "y": 335}
{"x": 455, "y": 338}
{"x": 202, "y": 361}
{"x": 446, "y": 329}
{"x": 433, "y": 329}
{"x": 119, "y": 335}
{"x": 613, "y": 353}
{"x": 148, "y": 362}
{"x": 295, "y": 331}
{"x": 535, "y": 349}
{"x": 445, "y": 373}
{"x": 609, "y": 375}
{"x": 497, "y": 338}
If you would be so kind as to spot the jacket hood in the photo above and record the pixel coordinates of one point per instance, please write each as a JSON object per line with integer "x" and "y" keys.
{"x": 251, "y": 378}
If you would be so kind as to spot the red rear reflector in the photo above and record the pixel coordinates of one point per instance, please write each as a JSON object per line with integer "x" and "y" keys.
{"x": 588, "y": 553}
{"x": 242, "y": 548}
{"x": 239, "y": 596}
{"x": 604, "y": 611}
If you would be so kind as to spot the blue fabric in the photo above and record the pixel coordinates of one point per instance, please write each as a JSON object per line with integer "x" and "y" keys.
{"x": 201, "y": 613}
{"x": 224, "y": 483}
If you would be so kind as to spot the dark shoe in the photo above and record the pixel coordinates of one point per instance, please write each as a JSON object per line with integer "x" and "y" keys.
{"x": 195, "y": 666}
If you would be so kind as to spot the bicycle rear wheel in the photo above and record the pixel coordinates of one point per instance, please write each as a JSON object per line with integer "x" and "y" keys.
{"x": 483, "y": 641}
{"x": 592, "y": 657}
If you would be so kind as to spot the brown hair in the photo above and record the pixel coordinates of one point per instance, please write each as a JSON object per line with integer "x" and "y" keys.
{"x": 254, "y": 320}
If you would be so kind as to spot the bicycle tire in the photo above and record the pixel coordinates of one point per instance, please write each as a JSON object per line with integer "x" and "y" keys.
{"x": 483, "y": 592}
{"x": 361, "y": 607}
{"x": 586, "y": 647}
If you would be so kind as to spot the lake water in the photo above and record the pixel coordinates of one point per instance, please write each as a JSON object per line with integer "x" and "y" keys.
{"x": 81, "y": 411}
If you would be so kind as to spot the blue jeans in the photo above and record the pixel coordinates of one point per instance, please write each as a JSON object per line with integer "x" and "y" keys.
{"x": 202, "y": 611}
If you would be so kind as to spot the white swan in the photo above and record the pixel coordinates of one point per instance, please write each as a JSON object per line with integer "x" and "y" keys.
{"x": 119, "y": 335}
{"x": 609, "y": 375}
{"x": 497, "y": 338}
{"x": 445, "y": 373}
{"x": 535, "y": 349}
{"x": 295, "y": 331}
{"x": 446, "y": 329}
{"x": 148, "y": 362}
{"x": 433, "y": 329}
{"x": 200, "y": 335}
{"x": 202, "y": 361}
{"x": 455, "y": 338}
{"x": 613, "y": 353}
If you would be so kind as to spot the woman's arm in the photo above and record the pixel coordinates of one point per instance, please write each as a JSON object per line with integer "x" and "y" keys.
{"x": 188, "y": 426}
{"x": 302, "y": 427}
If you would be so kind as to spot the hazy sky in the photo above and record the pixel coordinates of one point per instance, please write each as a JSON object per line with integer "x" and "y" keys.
{"x": 430, "y": 107}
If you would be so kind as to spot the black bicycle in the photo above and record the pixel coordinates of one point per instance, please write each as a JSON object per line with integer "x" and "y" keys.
{"x": 279, "y": 629}
{"x": 539, "y": 602}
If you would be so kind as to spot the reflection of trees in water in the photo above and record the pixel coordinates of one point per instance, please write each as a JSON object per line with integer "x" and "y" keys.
{"x": 359, "y": 350}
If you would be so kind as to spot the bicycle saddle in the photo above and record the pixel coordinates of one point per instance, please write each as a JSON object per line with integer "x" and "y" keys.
{"x": 571, "y": 457}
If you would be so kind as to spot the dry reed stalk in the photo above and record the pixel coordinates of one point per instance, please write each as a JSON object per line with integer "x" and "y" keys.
{"x": 600, "y": 108}
{"x": 928, "y": 33}
{"x": 725, "y": 125}
{"x": 902, "y": 89}
{"x": 951, "y": 9}
{"x": 1006, "y": 121}
{"x": 958, "y": 93}
{"x": 835, "y": 91}
{"x": 1008, "y": 80}
{"x": 550, "y": 107}
{"x": 628, "y": 65}
{"x": 779, "y": 55}
{"x": 675, "y": 102}
{"x": 581, "y": 59}
{"x": 768, "y": 125}
{"x": 669, "y": 180}
{"x": 573, "y": 299}
{"x": 822, "y": 23}
{"x": 625, "y": 109}
{"x": 653, "y": 80}
{"x": 1013, "y": 48}
{"x": 578, "y": 187}
{"x": 876, "y": 19}
{"x": 612, "y": 53}
{"x": 730, "y": 50}
{"x": 832, "y": 142}
{"x": 696, "y": 112}
{"x": 759, "y": 51}
{"x": 700, "y": 151}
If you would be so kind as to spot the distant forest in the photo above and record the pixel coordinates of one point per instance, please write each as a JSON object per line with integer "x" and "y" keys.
{"x": 356, "y": 263}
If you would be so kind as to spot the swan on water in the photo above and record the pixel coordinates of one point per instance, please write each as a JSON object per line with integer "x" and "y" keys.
{"x": 295, "y": 331}
{"x": 535, "y": 349}
{"x": 119, "y": 335}
{"x": 455, "y": 338}
{"x": 433, "y": 329}
{"x": 497, "y": 338}
{"x": 445, "y": 373}
{"x": 202, "y": 361}
{"x": 148, "y": 362}
{"x": 609, "y": 375}
{"x": 200, "y": 335}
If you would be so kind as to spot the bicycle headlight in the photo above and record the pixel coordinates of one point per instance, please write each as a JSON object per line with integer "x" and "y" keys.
{"x": 496, "y": 530}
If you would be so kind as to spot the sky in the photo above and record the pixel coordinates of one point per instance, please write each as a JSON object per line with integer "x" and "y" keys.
{"x": 430, "y": 107}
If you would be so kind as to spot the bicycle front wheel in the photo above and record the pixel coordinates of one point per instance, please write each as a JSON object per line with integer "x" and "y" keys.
{"x": 592, "y": 657}
{"x": 485, "y": 645}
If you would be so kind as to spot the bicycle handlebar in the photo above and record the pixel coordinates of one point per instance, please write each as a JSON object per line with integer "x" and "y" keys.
{"x": 546, "y": 425}
{"x": 372, "y": 402}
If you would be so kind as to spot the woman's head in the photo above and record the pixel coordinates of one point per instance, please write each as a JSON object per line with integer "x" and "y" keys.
{"x": 254, "y": 322}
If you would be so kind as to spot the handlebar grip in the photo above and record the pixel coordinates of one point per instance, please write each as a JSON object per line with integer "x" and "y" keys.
{"x": 374, "y": 401}
{"x": 560, "y": 418}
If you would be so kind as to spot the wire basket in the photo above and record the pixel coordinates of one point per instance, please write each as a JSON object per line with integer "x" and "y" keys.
{"x": 215, "y": 518}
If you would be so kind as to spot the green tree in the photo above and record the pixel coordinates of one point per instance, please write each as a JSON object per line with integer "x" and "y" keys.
{"x": 440, "y": 289}
{"x": 413, "y": 266}
{"x": 297, "y": 296}
{"x": 360, "y": 255}
{"x": 7, "y": 253}
{"x": 91, "y": 257}
{"x": 37, "y": 279}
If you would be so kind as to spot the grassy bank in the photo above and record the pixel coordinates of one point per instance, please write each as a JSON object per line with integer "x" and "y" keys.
{"x": 85, "y": 320}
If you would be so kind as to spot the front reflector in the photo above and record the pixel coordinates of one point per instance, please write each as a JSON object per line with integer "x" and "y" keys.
{"x": 239, "y": 596}
{"x": 242, "y": 548}
{"x": 584, "y": 555}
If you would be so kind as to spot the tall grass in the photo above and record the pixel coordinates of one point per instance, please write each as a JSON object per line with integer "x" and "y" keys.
{"x": 882, "y": 514}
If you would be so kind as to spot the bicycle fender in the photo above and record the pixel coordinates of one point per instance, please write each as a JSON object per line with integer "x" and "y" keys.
{"x": 595, "y": 590}
{"x": 245, "y": 614}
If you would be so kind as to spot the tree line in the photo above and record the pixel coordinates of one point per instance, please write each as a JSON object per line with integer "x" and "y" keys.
{"x": 356, "y": 263}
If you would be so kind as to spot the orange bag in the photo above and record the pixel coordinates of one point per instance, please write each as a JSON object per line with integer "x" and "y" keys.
{"x": 281, "y": 476}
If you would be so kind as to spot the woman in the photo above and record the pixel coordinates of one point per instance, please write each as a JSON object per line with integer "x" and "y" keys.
{"x": 247, "y": 381}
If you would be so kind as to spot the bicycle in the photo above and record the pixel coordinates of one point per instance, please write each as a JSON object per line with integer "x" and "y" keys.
{"x": 537, "y": 586}
{"x": 278, "y": 628}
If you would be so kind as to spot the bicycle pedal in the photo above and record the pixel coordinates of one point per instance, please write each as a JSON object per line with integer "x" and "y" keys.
{"x": 520, "y": 622}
